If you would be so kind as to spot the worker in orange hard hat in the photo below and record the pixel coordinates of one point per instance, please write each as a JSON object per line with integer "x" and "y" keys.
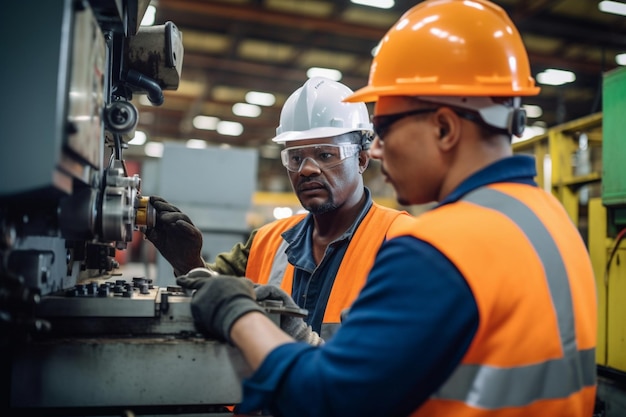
{"x": 483, "y": 306}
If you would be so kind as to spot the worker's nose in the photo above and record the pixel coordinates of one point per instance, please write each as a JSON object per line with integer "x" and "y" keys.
{"x": 309, "y": 166}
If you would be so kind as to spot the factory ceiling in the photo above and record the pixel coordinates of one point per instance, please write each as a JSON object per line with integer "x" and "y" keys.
{"x": 232, "y": 47}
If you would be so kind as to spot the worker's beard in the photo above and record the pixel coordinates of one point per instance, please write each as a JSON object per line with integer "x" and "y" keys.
{"x": 325, "y": 207}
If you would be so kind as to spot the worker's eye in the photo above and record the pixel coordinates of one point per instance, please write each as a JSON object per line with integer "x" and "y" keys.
{"x": 327, "y": 156}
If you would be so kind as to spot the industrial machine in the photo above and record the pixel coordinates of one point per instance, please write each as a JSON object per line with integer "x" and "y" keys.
{"x": 78, "y": 336}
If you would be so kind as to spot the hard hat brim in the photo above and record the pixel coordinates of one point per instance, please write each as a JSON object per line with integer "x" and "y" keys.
{"x": 370, "y": 94}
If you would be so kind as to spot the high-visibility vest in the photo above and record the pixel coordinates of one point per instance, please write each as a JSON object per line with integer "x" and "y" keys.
{"x": 530, "y": 273}
{"x": 267, "y": 262}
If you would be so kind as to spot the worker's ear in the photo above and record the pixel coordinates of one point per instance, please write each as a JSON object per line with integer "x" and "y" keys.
{"x": 364, "y": 161}
{"x": 450, "y": 126}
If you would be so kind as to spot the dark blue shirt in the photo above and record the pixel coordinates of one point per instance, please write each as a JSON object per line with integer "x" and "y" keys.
{"x": 403, "y": 337}
{"x": 311, "y": 283}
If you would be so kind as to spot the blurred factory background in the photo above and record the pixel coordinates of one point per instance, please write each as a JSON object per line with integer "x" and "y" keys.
{"x": 242, "y": 59}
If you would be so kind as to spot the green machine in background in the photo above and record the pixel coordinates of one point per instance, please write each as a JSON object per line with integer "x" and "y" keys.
{"x": 614, "y": 144}
{"x": 607, "y": 228}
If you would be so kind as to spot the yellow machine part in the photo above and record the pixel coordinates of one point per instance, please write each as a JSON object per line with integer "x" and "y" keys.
{"x": 609, "y": 263}
{"x": 558, "y": 154}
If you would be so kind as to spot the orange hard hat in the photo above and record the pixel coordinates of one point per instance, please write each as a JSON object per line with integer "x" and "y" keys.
{"x": 450, "y": 48}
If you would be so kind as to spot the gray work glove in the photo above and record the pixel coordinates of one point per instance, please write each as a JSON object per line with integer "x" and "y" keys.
{"x": 175, "y": 237}
{"x": 219, "y": 301}
{"x": 292, "y": 325}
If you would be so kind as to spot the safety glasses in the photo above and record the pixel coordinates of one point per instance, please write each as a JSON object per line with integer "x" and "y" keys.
{"x": 324, "y": 156}
{"x": 383, "y": 123}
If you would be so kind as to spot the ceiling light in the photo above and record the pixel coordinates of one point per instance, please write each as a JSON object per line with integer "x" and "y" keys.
{"x": 261, "y": 99}
{"x": 196, "y": 144}
{"x": 613, "y": 7}
{"x": 553, "y": 76}
{"x": 620, "y": 59}
{"x": 282, "y": 212}
{"x": 532, "y": 111}
{"x": 149, "y": 16}
{"x": 229, "y": 128}
{"x": 329, "y": 73}
{"x": 205, "y": 122}
{"x": 381, "y": 4}
{"x": 375, "y": 49}
{"x": 154, "y": 149}
{"x": 139, "y": 138}
{"x": 246, "y": 110}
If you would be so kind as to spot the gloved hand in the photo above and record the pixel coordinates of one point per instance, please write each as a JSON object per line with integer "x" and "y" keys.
{"x": 218, "y": 301}
{"x": 175, "y": 236}
{"x": 292, "y": 325}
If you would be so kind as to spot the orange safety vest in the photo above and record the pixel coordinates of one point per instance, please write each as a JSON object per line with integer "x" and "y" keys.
{"x": 267, "y": 262}
{"x": 530, "y": 273}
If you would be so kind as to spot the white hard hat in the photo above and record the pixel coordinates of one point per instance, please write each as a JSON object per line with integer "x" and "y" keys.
{"x": 317, "y": 110}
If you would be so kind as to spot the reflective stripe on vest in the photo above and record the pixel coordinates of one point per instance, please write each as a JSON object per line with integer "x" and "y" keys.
{"x": 489, "y": 387}
{"x": 267, "y": 257}
{"x": 279, "y": 265}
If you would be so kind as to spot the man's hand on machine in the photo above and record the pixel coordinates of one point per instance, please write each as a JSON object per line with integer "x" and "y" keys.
{"x": 292, "y": 325}
{"x": 175, "y": 237}
{"x": 220, "y": 300}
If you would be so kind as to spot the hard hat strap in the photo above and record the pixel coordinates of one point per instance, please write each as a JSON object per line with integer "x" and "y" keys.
{"x": 509, "y": 117}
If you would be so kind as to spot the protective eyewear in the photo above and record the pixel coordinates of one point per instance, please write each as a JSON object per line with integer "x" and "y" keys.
{"x": 324, "y": 156}
{"x": 383, "y": 123}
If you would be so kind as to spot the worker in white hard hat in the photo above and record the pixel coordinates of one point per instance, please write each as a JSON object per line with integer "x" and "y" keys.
{"x": 321, "y": 258}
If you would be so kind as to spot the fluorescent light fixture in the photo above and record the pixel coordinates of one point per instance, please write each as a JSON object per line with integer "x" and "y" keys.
{"x": 260, "y": 99}
{"x": 620, "y": 59}
{"x": 246, "y": 110}
{"x": 139, "y": 138}
{"x": 553, "y": 76}
{"x": 532, "y": 111}
{"x": 229, "y": 128}
{"x": 149, "y": 16}
{"x": 282, "y": 212}
{"x": 154, "y": 149}
{"x": 205, "y": 122}
{"x": 196, "y": 144}
{"x": 375, "y": 49}
{"x": 380, "y": 4}
{"x": 329, "y": 73}
{"x": 613, "y": 7}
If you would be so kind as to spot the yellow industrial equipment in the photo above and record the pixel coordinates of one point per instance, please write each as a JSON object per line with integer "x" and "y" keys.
{"x": 582, "y": 163}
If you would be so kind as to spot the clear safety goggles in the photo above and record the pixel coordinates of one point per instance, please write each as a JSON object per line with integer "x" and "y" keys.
{"x": 324, "y": 156}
